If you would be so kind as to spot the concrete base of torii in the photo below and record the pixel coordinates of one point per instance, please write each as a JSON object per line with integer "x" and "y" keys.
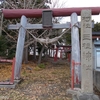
{"x": 9, "y": 84}
{"x": 78, "y": 95}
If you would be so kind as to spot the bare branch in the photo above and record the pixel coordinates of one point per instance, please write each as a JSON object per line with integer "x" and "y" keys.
{"x": 9, "y": 35}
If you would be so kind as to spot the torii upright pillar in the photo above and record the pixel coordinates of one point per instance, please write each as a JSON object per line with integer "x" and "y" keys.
{"x": 75, "y": 54}
{"x": 20, "y": 47}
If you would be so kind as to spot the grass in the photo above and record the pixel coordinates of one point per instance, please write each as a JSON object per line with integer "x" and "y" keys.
{"x": 42, "y": 65}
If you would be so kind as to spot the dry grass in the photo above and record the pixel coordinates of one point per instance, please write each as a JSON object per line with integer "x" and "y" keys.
{"x": 49, "y": 83}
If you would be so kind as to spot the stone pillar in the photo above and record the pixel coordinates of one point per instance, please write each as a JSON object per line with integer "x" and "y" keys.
{"x": 75, "y": 57}
{"x": 20, "y": 47}
{"x": 86, "y": 52}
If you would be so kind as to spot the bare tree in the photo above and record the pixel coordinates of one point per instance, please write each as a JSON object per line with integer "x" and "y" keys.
{"x": 12, "y": 35}
{"x": 57, "y": 4}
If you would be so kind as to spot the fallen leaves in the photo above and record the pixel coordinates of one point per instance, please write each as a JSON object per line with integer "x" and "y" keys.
{"x": 49, "y": 83}
{"x": 5, "y": 71}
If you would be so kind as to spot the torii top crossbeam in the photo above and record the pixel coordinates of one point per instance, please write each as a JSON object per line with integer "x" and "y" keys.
{"x": 37, "y": 13}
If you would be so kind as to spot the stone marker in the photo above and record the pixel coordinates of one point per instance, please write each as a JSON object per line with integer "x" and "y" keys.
{"x": 86, "y": 52}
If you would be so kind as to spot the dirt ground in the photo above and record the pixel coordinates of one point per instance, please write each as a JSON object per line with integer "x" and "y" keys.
{"x": 50, "y": 82}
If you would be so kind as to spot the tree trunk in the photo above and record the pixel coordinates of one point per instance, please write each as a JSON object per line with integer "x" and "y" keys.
{"x": 46, "y": 54}
{"x": 40, "y": 56}
{"x": 34, "y": 54}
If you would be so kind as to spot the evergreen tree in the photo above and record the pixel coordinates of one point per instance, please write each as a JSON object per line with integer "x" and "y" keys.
{"x": 96, "y": 27}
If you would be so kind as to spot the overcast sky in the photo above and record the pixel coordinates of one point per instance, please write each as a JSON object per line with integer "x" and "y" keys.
{"x": 83, "y": 3}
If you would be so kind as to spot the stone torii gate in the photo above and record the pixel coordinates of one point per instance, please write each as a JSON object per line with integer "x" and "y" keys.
{"x": 86, "y": 66}
{"x": 75, "y": 43}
